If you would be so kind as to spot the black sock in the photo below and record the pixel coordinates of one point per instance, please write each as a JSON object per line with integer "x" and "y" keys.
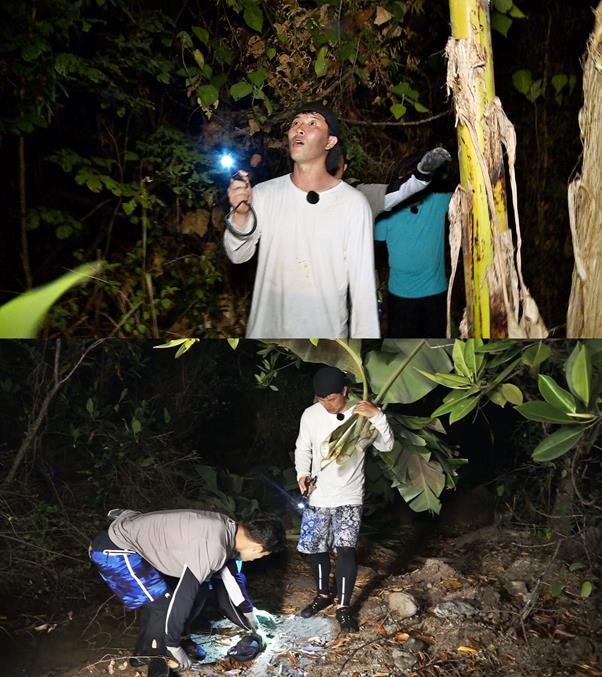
{"x": 346, "y": 573}
{"x": 320, "y": 566}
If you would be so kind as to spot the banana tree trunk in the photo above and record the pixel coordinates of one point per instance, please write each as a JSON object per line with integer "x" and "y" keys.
{"x": 498, "y": 304}
{"x": 584, "y": 316}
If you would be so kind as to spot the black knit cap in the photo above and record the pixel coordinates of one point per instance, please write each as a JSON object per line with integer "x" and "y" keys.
{"x": 329, "y": 380}
{"x": 334, "y": 127}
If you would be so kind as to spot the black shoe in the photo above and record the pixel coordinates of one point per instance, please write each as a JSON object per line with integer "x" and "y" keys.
{"x": 346, "y": 620}
{"x": 319, "y": 603}
{"x": 140, "y": 661}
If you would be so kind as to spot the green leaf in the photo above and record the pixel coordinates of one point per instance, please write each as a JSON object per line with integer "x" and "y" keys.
{"x": 497, "y": 396}
{"x": 543, "y": 412}
{"x": 24, "y": 315}
{"x": 208, "y": 95}
{"x": 314, "y": 341}
{"x": 412, "y": 384}
{"x": 136, "y": 426}
{"x": 536, "y": 354}
{"x": 516, "y": 13}
{"x": 579, "y": 373}
{"x": 463, "y": 408}
{"x": 555, "y": 395}
{"x": 577, "y": 566}
{"x": 202, "y": 34}
{"x": 535, "y": 91}
{"x": 556, "y": 589}
{"x": 325, "y": 352}
{"x": 90, "y": 406}
{"x": 398, "y": 110}
{"x": 199, "y": 57}
{"x": 253, "y": 15}
{"x": 559, "y": 82}
{"x": 424, "y": 484}
{"x": 64, "y": 231}
{"x": 512, "y": 393}
{"x": 452, "y": 398}
{"x": 419, "y": 108}
{"x": 503, "y": 6}
{"x": 522, "y": 81}
{"x": 473, "y": 359}
{"x": 321, "y": 64}
{"x": 448, "y": 380}
{"x": 557, "y": 444}
{"x": 257, "y": 77}
{"x": 460, "y": 365}
{"x": 586, "y": 589}
{"x": 501, "y": 23}
{"x": 166, "y": 415}
{"x": 404, "y": 89}
{"x": 148, "y": 461}
{"x": 233, "y": 343}
{"x": 240, "y": 90}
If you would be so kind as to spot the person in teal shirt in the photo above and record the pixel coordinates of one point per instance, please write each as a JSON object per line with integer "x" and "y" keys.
{"x": 415, "y": 239}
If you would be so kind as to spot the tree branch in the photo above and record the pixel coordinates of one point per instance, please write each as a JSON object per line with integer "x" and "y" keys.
{"x": 43, "y": 410}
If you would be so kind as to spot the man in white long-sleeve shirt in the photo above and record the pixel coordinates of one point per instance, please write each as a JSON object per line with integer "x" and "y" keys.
{"x": 317, "y": 250}
{"x": 332, "y": 517}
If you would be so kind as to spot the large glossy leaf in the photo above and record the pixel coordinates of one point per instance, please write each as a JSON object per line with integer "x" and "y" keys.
{"x": 543, "y": 412}
{"x": 424, "y": 484}
{"x": 24, "y": 316}
{"x": 411, "y": 385}
{"x": 579, "y": 373}
{"x": 555, "y": 395}
{"x": 325, "y": 351}
{"x": 557, "y": 444}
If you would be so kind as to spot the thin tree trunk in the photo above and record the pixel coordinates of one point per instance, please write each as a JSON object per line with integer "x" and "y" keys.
{"x": 23, "y": 214}
{"x": 39, "y": 416}
{"x": 498, "y": 304}
{"x": 584, "y": 316}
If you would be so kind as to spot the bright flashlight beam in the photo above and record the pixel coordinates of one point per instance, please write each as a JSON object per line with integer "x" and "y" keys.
{"x": 226, "y": 161}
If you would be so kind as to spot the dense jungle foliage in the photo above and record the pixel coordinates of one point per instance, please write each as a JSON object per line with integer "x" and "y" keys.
{"x": 113, "y": 114}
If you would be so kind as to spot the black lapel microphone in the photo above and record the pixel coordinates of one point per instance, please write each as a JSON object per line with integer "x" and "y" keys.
{"x": 340, "y": 417}
{"x": 312, "y": 197}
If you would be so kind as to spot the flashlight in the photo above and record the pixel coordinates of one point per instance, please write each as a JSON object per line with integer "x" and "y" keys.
{"x": 226, "y": 161}
{"x": 304, "y": 502}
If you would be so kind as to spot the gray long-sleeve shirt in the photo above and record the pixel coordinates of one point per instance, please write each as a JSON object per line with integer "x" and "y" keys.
{"x": 174, "y": 539}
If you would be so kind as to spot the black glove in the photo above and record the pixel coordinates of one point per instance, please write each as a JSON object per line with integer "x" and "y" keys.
{"x": 434, "y": 161}
{"x": 246, "y": 649}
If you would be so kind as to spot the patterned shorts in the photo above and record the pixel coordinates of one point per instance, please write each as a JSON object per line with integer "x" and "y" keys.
{"x": 324, "y": 528}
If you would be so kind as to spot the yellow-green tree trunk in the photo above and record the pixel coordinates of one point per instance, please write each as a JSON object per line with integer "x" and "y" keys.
{"x": 498, "y": 303}
{"x": 584, "y": 317}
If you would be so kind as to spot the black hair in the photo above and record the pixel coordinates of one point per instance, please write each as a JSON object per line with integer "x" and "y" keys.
{"x": 267, "y": 530}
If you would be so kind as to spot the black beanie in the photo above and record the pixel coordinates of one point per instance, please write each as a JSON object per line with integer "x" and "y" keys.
{"x": 334, "y": 127}
{"x": 329, "y": 380}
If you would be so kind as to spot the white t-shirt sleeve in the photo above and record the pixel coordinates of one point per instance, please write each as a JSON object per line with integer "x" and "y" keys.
{"x": 359, "y": 255}
{"x": 385, "y": 439}
{"x": 303, "y": 448}
{"x": 408, "y": 188}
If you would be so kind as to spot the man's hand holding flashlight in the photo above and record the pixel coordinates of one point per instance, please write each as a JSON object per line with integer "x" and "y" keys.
{"x": 306, "y": 485}
{"x": 239, "y": 195}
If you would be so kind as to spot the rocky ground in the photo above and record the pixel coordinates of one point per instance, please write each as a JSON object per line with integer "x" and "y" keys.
{"x": 490, "y": 602}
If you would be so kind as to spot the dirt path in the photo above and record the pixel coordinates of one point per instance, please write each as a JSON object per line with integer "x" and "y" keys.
{"x": 488, "y": 603}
